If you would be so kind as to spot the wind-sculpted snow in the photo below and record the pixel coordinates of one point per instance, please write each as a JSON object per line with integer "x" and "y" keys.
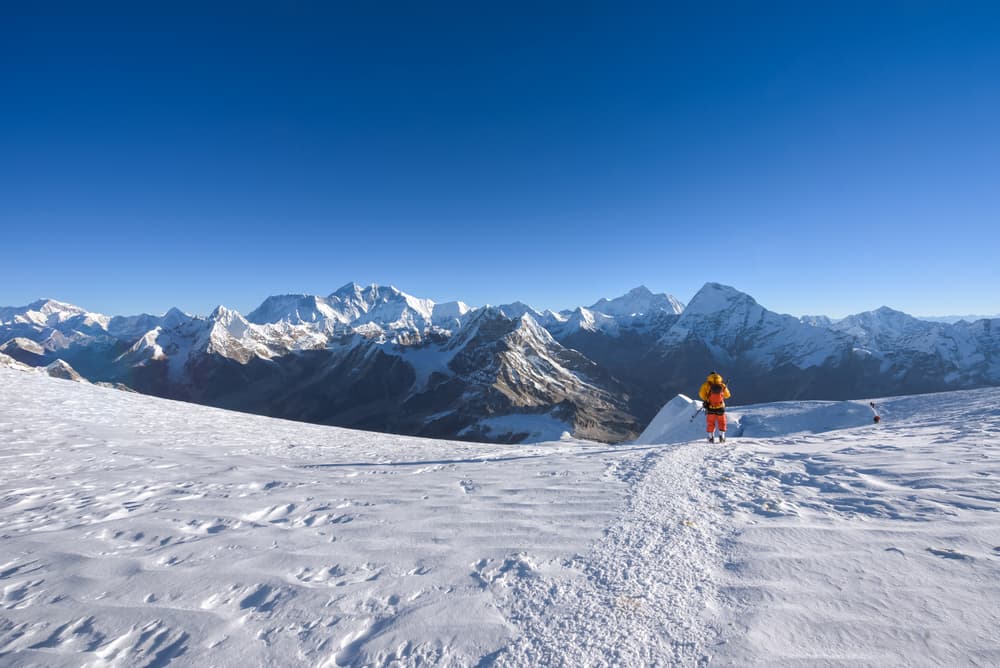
{"x": 141, "y": 532}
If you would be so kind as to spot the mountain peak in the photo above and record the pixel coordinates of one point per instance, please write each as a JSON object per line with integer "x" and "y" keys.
{"x": 347, "y": 290}
{"x": 293, "y": 308}
{"x": 715, "y": 297}
{"x": 883, "y": 314}
{"x": 885, "y": 327}
{"x": 527, "y": 326}
{"x": 356, "y": 293}
{"x": 221, "y": 312}
{"x": 639, "y": 301}
{"x": 886, "y": 310}
{"x": 48, "y": 307}
{"x": 517, "y": 309}
{"x": 173, "y": 318}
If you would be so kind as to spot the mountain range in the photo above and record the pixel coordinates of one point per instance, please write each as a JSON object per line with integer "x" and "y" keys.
{"x": 377, "y": 358}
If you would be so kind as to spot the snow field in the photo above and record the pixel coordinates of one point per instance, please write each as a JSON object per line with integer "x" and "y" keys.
{"x": 138, "y": 531}
{"x": 141, "y": 532}
{"x": 869, "y": 546}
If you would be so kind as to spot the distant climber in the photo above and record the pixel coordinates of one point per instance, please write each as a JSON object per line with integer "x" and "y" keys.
{"x": 713, "y": 395}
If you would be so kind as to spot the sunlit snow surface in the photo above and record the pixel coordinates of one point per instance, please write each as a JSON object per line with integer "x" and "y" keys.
{"x": 137, "y": 531}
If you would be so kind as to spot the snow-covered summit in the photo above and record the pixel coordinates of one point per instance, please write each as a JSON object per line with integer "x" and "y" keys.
{"x": 713, "y": 298}
{"x": 385, "y": 310}
{"x": 733, "y": 325}
{"x": 885, "y": 328}
{"x": 43, "y": 312}
{"x": 174, "y": 318}
{"x": 229, "y": 320}
{"x": 376, "y": 310}
{"x": 387, "y": 307}
{"x": 295, "y": 309}
{"x": 518, "y": 308}
{"x": 53, "y": 308}
{"x": 638, "y": 302}
{"x": 589, "y": 320}
{"x": 639, "y": 309}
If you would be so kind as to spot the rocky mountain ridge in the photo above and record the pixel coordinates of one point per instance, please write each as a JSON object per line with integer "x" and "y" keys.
{"x": 377, "y": 358}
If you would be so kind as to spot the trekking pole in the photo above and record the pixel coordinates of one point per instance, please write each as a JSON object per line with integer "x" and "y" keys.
{"x": 696, "y": 414}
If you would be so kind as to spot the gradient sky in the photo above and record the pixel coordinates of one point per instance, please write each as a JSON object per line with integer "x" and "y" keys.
{"x": 826, "y": 158}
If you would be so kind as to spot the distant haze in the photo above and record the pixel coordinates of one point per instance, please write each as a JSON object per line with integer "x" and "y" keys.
{"x": 957, "y": 318}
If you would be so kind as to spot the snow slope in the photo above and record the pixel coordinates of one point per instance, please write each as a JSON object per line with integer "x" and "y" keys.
{"x": 141, "y": 532}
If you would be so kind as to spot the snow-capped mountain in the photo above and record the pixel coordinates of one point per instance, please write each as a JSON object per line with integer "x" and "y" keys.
{"x": 519, "y": 367}
{"x": 378, "y": 358}
{"x": 886, "y": 328}
{"x": 584, "y": 319}
{"x": 52, "y": 323}
{"x": 963, "y": 353}
{"x": 639, "y": 303}
{"x": 774, "y": 356}
{"x": 294, "y": 309}
{"x": 637, "y": 310}
{"x": 43, "y": 313}
{"x": 518, "y": 309}
{"x": 734, "y": 327}
{"x": 377, "y": 311}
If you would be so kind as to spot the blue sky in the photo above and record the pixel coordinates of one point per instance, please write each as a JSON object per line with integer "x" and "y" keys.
{"x": 826, "y": 158}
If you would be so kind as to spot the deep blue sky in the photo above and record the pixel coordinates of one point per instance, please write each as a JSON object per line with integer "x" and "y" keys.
{"x": 827, "y": 158}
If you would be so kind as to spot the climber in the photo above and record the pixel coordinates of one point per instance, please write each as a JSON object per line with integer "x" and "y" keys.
{"x": 713, "y": 395}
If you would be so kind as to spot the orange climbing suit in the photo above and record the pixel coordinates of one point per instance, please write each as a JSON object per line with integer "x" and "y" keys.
{"x": 715, "y": 420}
{"x": 715, "y": 413}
